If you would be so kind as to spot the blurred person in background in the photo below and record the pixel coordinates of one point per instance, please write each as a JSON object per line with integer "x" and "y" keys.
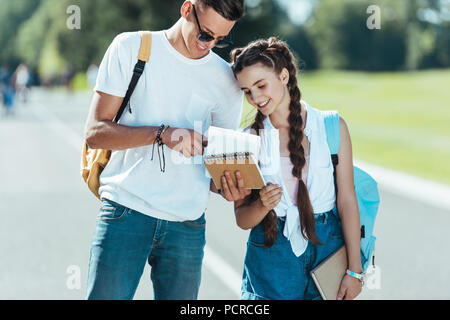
{"x": 149, "y": 213}
{"x": 91, "y": 75}
{"x": 21, "y": 78}
{"x": 7, "y": 91}
{"x": 3, "y": 75}
{"x": 67, "y": 78}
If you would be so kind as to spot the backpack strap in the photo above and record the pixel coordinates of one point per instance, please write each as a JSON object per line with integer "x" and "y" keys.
{"x": 331, "y": 120}
{"x": 143, "y": 57}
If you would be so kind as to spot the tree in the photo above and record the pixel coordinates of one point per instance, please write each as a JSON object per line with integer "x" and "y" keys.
{"x": 12, "y": 15}
{"x": 37, "y": 39}
{"x": 404, "y": 42}
{"x": 344, "y": 41}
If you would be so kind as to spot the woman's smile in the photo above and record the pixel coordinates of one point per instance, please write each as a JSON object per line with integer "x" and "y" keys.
{"x": 263, "y": 104}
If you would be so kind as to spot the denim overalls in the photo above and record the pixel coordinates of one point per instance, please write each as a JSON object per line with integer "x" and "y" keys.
{"x": 275, "y": 273}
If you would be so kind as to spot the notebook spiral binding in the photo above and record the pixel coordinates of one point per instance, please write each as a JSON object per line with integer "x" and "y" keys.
{"x": 227, "y": 156}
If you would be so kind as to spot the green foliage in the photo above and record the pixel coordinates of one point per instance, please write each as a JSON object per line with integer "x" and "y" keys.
{"x": 102, "y": 21}
{"x": 343, "y": 40}
{"x": 335, "y": 36}
{"x": 12, "y": 15}
{"x": 79, "y": 82}
{"x": 37, "y": 43}
{"x": 266, "y": 18}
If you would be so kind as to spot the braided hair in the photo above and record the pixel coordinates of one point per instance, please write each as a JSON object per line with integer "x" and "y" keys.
{"x": 275, "y": 54}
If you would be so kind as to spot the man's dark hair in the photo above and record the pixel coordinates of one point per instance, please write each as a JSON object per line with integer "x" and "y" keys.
{"x": 231, "y": 10}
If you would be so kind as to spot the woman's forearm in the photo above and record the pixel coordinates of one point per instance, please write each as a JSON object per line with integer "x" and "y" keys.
{"x": 348, "y": 212}
{"x": 249, "y": 216}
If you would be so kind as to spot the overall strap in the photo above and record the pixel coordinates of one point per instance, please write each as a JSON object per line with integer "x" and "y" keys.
{"x": 143, "y": 57}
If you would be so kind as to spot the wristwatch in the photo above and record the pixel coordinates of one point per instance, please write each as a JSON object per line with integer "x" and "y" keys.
{"x": 359, "y": 276}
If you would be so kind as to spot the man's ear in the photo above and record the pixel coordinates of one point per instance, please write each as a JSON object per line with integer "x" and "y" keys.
{"x": 284, "y": 76}
{"x": 186, "y": 8}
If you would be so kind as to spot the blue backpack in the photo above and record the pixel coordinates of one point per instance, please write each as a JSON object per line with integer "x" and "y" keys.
{"x": 366, "y": 189}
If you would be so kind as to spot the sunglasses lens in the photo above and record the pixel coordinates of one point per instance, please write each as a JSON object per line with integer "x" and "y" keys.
{"x": 204, "y": 37}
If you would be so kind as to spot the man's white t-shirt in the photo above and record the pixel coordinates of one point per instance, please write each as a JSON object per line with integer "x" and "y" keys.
{"x": 176, "y": 91}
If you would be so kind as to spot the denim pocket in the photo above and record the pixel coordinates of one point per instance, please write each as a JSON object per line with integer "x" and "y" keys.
{"x": 111, "y": 211}
{"x": 257, "y": 237}
{"x": 335, "y": 226}
{"x": 337, "y": 231}
{"x": 328, "y": 228}
{"x": 199, "y": 223}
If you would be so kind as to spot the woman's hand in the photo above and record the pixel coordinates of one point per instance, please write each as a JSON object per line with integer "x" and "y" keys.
{"x": 270, "y": 196}
{"x": 350, "y": 288}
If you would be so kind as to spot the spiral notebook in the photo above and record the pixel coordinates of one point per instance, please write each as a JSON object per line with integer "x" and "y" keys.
{"x": 232, "y": 151}
{"x": 328, "y": 274}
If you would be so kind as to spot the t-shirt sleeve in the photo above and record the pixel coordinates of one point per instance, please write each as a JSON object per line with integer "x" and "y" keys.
{"x": 228, "y": 113}
{"x": 116, "y": 68}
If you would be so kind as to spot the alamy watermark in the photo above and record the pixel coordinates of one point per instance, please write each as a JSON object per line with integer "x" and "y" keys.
{"x": 373, "y": 278}
{"x": 73, "y": 22}
{"x": 374, "y": 20}
{"x": 73, "y": 281}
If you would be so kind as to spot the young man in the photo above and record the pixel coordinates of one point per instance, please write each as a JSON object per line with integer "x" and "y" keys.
{"x": 150, "y": 213}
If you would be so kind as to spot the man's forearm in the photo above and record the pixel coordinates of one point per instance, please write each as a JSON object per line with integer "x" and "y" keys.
{"x": 112, "y": 136}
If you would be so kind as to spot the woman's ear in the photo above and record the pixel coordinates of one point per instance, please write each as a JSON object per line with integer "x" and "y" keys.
{"x": 284, "y": 76}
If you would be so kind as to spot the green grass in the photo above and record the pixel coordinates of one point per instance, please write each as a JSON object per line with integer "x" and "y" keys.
{"x": 79, "y": 82}
{"x": 396, "y": 120}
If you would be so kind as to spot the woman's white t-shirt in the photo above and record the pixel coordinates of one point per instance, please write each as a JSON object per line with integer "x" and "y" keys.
{"x": 176, "y": 91}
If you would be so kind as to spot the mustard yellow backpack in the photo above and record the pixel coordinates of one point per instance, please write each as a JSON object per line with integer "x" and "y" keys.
{"x": 93, "y": 161}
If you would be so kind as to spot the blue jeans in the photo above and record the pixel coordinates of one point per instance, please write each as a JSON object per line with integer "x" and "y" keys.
{"x": 125, "y": 239}
{"x": 275, "y": 273}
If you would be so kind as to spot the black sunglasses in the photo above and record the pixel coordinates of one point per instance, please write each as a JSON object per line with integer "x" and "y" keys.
{"x": 206, "y": 37}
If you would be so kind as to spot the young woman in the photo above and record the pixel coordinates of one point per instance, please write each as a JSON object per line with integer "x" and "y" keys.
{"x": 294, "y": 219}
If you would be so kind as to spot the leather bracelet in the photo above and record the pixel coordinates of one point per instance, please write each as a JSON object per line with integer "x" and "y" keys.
{"x": 162, "y": 132}
{"x": 158, "y": 135}
{"x": 158, "y": 140}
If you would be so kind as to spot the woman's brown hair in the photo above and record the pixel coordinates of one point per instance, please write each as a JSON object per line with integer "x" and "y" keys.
{"x": 275, "y": 54}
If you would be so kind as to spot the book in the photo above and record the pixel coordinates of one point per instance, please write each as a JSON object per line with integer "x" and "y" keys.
{"x": 232, "y": 151}
{"x": 328, "y": 274}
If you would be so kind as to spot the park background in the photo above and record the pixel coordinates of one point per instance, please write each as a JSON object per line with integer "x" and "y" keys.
{"x": 391, "y": 85}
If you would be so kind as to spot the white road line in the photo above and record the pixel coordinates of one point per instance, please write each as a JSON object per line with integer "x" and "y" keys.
{"x": 222, "y": 270}
{"x": 212, "y": 260}
{"x": 429, "y": 192}
{"x": 62, "y": 129}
